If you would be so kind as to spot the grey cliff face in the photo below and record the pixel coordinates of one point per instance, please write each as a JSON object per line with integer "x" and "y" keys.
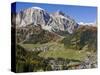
{"x": 51, "y": 22}
{"x": 63, "y": 22}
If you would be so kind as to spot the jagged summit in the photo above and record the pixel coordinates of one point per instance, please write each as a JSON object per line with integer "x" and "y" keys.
{"x": 59, "y": 12}
{"x": 58, "y": 21}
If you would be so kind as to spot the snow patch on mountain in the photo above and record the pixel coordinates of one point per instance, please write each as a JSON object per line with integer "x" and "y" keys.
{"x": 37, "y": 8}
{"x": 89, "y": 24}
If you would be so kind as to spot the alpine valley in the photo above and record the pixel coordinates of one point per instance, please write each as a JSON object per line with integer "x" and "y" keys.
{"x": 52, "y": 41}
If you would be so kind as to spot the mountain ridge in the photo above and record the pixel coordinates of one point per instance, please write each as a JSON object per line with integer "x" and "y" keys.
{"x": 48, "y": 21}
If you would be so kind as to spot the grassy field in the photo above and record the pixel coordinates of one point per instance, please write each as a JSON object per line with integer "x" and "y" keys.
{"x": 58, "y": 50}
{"x": 66, "y": 54}
{"x": 30, "y": 46}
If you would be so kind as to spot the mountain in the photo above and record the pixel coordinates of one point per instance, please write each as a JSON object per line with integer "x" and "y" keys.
{"x": 63, "y": 22}
{"x": 89, "y": 24}
{"x": 56, "y": 21}
{"x": 84, "y": 38}
{"x": 35, "y": 34}
{"x": 36, "y": 25}
{"x": 34, "y": 15}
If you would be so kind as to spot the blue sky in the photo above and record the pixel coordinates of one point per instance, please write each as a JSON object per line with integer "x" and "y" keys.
{"x": 84, "y": 14}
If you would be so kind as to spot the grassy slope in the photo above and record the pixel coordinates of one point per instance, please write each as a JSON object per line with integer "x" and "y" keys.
{"x": 66, "y": 54}
{"x": 57, "y": 50}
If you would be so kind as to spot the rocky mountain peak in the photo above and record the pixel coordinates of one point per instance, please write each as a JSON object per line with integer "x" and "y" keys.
{"x": 57, "y": 21}
{"x": 59, "y": 12}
